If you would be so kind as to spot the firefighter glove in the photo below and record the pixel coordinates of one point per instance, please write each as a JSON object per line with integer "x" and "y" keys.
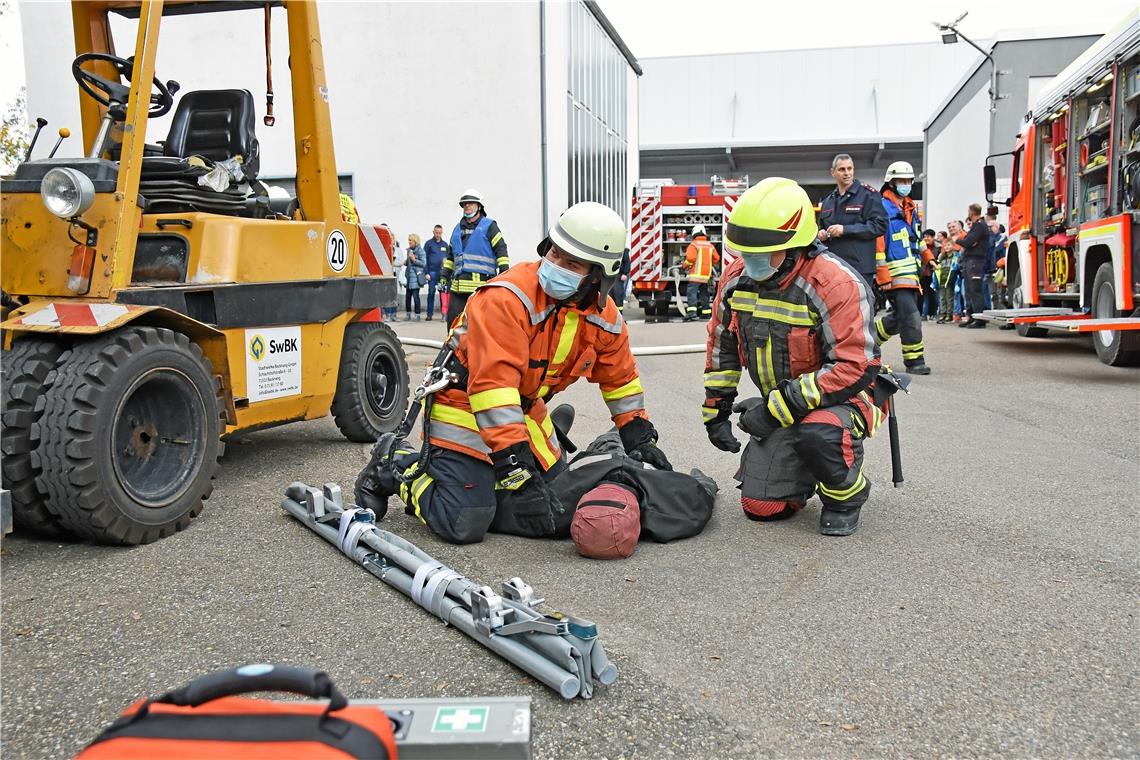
{"x": 639, "y": 438}
{"x": 514, "y": 467}
{"x": 755, "y": 419}
{"x": 527, "y": 497}
{"x": 720, "y": 434}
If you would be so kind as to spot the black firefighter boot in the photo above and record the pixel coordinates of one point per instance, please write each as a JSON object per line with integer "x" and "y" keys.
{"x": 834, "y": 522}
{"x": 563, "y": 419}
{"x": 377, "y": 481}
{"x": 918, "y": 367}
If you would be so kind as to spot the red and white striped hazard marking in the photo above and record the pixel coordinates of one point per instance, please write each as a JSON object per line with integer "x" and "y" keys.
{"x": 375, "y": 250}
{"x": 645, "y": 239}
{"x": 729, "y": 204}
{"x": 76, "y": 315}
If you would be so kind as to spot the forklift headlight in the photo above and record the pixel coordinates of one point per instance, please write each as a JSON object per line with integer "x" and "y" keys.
{"x": 67, "y": 192}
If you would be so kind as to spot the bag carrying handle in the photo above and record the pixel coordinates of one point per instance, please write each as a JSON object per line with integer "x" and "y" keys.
{"x": 249, "y": 678}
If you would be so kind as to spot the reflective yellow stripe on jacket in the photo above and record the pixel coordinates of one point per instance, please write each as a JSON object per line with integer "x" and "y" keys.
{"x": 627, "y": 398}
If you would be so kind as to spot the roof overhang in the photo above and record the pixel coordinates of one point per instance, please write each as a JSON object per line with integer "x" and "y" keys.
{"x": 130, "y": 9}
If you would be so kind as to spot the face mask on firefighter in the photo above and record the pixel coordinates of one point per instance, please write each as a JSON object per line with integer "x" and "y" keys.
{"x": 758, "y": 266}
{"x": 558, "y": 283}
{"x": 903, "y": 189}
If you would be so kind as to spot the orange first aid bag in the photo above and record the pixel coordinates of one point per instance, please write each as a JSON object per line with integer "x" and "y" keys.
{"x": 206, "y": 719}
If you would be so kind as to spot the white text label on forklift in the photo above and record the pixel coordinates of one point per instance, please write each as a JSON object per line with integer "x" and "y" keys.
{"x": 272, "y": 362}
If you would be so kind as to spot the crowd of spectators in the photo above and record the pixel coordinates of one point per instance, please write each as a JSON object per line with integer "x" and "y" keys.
{"x": 968, "y": 263}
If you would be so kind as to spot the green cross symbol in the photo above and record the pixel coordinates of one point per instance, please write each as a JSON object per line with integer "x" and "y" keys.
{"x": 460, "y": 719}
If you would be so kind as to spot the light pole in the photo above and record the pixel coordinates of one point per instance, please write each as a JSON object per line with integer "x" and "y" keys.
{"x": 950, "y": 35}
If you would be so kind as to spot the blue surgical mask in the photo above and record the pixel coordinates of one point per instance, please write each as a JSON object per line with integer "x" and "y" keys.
{"x": 758, "y": 266}
{"x": 471, "y": 215}
{"x": 903, "y": 190}
{"x": 558, "y": 283}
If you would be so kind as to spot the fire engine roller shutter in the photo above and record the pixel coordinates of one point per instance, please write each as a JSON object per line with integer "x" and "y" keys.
{"x": 264, "y": 304}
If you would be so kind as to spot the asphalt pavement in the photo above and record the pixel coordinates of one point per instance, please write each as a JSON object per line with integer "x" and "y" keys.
{"x": 985, "y": 608}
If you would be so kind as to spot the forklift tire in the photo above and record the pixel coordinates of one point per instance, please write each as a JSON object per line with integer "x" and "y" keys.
{"x": 25, "y": 372}
{"x": 1116, "y": 348}
{"x": 372, "y": 388}
{"x": 128, "y": 443}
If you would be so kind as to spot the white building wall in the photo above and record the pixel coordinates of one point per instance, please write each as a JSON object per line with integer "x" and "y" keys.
{"x": 427, "y": 99}
{"x": 557, "y": 55}
{"x": 951, "y": 157}
{"x": 797, "y": 97}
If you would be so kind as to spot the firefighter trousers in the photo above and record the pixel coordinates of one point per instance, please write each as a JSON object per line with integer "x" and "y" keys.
{"x": 697, "y": 296}
{"x": 905, "y": 320}
{"x": 455, "y": 496}
{"x": 456, "y": 303}
{"x": 822, "y": 453}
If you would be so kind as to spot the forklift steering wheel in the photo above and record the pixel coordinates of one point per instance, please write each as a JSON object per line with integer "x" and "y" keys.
{"x": 105, "y": 91}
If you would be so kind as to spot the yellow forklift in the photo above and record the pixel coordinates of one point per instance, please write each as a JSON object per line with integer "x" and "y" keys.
{"x": 158, "y": 299}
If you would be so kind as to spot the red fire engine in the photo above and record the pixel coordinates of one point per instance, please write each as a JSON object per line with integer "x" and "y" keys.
{"x": 1073, "y": 256}
{"x": 664, "y": 215}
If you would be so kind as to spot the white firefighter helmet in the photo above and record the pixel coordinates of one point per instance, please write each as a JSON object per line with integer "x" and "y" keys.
{"x": 471, "y": 195}
{"x": 592, "y": 233}
{"x": 899, "y": 170}
{"x": 698, "y": 230}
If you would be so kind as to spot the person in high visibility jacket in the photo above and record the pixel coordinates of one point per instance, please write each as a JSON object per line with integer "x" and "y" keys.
{"x": 700, "y": 258}
{"x": 798, "y": 319}
{"x": 348, "y": 212}
{"x": 898, "y": 264}
{"x": 524, "y": 337}
{"x": 478, "y": 252}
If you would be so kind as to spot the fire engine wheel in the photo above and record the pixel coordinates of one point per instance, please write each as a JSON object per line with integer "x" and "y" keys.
{"x": 25, "y": 375}
{"x": 128, "y": 443}
{"x": 1017, "y": 299}
{"x": 372, "y": 388}
{"x": 1117, "y": 348}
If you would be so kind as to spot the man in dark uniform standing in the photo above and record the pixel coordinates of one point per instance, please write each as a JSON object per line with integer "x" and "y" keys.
{"x": 851, "y": 217}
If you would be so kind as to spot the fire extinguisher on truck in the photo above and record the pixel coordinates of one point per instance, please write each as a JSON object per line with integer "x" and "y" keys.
{"x": 663, "y": 217}
{"x": 1072, "y": 260}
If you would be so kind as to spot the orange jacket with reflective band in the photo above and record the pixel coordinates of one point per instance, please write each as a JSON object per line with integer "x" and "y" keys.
{"x": 700, "y": 258}
{"x": 520, "y": 349}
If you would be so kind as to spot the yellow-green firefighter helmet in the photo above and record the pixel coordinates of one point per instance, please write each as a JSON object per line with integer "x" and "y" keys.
{"x": 774, "y": 215}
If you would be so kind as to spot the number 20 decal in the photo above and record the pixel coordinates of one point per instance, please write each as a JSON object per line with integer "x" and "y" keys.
{"x": 336, "y": 250}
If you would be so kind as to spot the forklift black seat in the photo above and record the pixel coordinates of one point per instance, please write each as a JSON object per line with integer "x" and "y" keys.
{"x": 216, "y": 124}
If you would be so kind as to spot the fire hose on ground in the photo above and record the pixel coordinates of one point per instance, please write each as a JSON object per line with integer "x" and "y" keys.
{"x": 688, "y": 348}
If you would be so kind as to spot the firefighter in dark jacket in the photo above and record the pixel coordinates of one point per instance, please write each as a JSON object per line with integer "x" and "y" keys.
{"x": 798, "y": 319}
{"x": 975, "y": 248}
{"x": 477, "y": 253}
{"x": 851, "y": 217}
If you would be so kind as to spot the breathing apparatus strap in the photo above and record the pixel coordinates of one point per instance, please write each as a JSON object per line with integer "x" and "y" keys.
{"x": 445, "y": 372}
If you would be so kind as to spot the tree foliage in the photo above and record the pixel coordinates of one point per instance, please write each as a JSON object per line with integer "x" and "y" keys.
{"x": 14, "y": 133}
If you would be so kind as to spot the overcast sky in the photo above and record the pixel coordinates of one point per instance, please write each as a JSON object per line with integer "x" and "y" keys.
{"x": 688, "y": 27}
{"x": 654, "y": 28}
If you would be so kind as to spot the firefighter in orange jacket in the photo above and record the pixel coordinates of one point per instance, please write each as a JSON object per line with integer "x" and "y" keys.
{"x": 700, "y": 258}
{"x": 799, "y": 320}
{"x": 898, "y": 263}
{"x": 525, "y": 335}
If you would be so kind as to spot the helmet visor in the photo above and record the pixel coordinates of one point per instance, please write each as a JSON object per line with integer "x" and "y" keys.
{"x": 754, "y": 237}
